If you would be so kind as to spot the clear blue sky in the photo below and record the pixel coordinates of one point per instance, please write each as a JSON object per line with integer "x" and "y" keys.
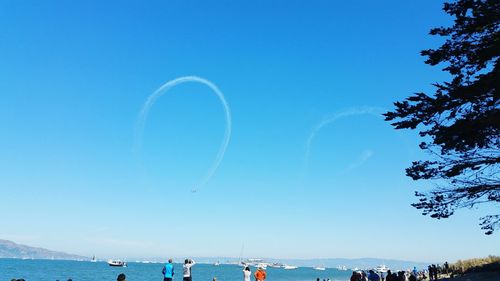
{"x": 73, "y": 78}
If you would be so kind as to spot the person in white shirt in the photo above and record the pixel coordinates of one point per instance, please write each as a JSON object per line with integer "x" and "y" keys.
{"x": 186, "y": 269}
{"x": 246, "y": 274}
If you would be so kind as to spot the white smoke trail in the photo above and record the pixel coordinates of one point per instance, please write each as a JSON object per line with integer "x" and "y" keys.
{"x": 141, "y": 120}
{"x": 365, "y": 156}
{"x": 376, "y": 111}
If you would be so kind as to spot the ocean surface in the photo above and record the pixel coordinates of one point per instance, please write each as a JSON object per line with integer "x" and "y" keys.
{"x": 51, "y": 270}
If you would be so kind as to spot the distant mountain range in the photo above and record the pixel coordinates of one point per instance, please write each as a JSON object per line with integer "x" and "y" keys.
{"x": 9, "y": 249}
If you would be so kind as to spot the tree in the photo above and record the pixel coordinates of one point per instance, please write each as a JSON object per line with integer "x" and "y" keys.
{"x": 460, "y": 122}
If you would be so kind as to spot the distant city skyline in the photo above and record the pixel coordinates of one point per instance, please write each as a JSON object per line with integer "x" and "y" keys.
{"x": 311, "y": 170}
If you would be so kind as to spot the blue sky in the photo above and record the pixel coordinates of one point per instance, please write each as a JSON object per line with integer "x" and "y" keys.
{"x": 73, "y": 78}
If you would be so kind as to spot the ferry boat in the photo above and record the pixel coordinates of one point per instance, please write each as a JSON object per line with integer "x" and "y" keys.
{"x": 381, "y": 268}
{"x": 288, "y": 267}
{"x": 321, "y": 268}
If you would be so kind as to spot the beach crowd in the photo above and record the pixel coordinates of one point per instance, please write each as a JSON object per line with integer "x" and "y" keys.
{"x": 433, "y": 272}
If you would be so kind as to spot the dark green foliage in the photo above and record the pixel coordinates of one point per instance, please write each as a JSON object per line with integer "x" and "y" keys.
{"x": 460, "y": 122}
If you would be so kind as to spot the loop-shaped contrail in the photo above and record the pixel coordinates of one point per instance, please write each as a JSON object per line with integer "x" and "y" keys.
{"x": 331, "y": 119}
{"x": 141, "y": 120}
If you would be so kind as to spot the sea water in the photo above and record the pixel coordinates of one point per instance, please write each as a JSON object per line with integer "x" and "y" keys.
{"x": 52, "y": 270}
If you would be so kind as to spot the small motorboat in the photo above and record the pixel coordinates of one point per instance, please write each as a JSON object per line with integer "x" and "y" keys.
{"x": 117, "y": 263}
{"x": 381, "y": 268}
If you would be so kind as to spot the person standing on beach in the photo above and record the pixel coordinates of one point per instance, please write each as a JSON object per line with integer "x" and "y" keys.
{"x": 260, "y": 274}
{"x": 355, "y": 276}
{"x": 186, "y": 268}
{"x": 372, "y": 276}
{"x": 389, "y": 276}
{"x": 246, "y": 274}
{"x": 168, "y": 271}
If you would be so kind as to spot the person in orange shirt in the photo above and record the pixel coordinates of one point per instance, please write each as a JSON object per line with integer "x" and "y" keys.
{"x": 260, "y": 274}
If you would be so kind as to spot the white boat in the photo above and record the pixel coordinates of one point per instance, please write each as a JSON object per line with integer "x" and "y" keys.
{"x": 217, "y": 263}
{"x": 381, "y": 268}
{"x": 342, "y": 267}
{"x": 288, "y": 267}
{"x": 276, "y": 265}
{"x": 321, "y": 268}
{"x": 261, "y": 265}
{"x": 117, "y": 263}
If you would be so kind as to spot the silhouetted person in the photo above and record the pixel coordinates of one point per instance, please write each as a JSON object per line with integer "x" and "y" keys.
{"x": 389, "y": 276}
{"x": 434, "y": 272}
{"x": 446, "y": 267}
{"x": 121, "y": 277}
{"x": 372, "y": 276}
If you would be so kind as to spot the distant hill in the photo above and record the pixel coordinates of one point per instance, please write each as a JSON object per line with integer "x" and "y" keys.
{"x": 9, "y": 249}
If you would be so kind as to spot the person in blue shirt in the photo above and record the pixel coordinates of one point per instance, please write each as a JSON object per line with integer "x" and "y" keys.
{"x": 415, "y": 271}
{"x": 168, "y": 271}
{"x": 372, "y": 276}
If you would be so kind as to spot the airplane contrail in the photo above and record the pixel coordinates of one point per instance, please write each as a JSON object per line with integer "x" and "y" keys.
{"x": 141, "y": 120}
{"x": 331, "y": 119}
